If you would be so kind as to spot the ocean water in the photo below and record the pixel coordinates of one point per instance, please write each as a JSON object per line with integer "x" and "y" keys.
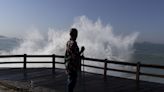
{"x": 150, "y": 53}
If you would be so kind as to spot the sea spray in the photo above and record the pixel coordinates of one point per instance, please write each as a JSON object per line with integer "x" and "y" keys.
{"x": 101, "y": 42}
{"x": 98, "y": 39}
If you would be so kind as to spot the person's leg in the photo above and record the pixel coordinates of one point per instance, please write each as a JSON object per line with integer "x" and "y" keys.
{"x": 74, "y": 79}
{"x": 71, "y": 82}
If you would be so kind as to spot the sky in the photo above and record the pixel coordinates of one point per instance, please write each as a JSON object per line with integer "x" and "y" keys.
{"x": 125, "y": 16}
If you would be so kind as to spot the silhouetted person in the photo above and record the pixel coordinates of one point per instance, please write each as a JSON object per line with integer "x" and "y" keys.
{"x": 72, "y": 60}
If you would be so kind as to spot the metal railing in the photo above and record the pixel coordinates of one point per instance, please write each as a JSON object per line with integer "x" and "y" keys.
{"x": 138, "y": 65}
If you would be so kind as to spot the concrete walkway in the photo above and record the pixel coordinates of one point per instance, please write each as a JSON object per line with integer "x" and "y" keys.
{"x": 42, "y": 80}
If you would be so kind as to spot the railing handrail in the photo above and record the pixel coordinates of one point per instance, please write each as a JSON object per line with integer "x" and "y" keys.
{"x": 90, "y": 59}
{"x": 8, "y": 56}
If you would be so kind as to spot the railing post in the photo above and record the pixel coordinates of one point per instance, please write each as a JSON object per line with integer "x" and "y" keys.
{"x": 24, "y": 66}
{"x": 80, "y": 63}
{"x": 138, "y": 74}
{"x": 53, "y": 63}
{"x": 25, "y": 61}
{"x": 105, "y": 68}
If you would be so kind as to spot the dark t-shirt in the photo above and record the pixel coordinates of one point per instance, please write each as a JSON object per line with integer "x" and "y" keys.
{"x": 72, "y": 56}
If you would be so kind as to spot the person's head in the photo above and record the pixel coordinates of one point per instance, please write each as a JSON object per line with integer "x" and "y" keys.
{"x": 73, "y": 33}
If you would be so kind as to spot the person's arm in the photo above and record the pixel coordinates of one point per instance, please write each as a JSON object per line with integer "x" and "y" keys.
{"x": 82, "y": 50}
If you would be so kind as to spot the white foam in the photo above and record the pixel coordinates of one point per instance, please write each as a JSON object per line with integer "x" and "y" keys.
{"x": 98, "y": 39}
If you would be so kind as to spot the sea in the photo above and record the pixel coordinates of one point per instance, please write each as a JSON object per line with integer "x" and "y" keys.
{"x": 150, "y": 53}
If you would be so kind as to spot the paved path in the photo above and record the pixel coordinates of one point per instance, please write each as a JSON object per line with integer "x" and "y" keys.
{"x": 42, "y": 80}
